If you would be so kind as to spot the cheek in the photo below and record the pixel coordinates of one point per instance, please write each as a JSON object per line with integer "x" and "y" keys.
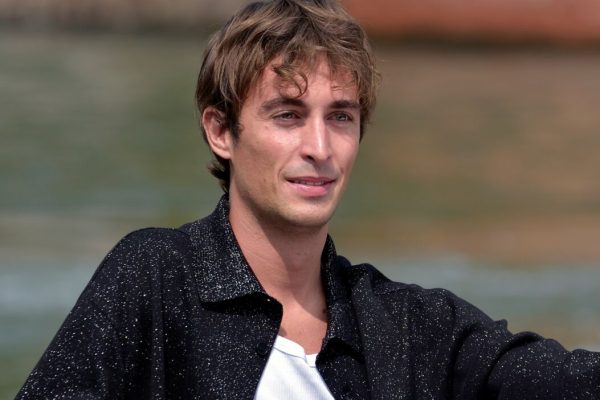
{"x": 348, "y": 150}
{"x": 264, "y": 160}
{"x": 274, "y": 149}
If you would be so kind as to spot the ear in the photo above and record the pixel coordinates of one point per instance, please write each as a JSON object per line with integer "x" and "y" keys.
{"x": 217, "y": 133}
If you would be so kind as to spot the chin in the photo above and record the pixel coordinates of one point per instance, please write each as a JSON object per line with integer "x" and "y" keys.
{"x": 311, "y": 219}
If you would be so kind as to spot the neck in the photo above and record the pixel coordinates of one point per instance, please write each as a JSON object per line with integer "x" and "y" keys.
{"x": 287, "y": 262}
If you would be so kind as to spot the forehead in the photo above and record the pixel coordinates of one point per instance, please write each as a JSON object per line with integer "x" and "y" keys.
{"x": 314, "y": 77}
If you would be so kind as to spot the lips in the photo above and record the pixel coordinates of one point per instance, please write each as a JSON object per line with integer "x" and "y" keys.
{"x": 312, "y": 186}
{"x": 311, "y": 181}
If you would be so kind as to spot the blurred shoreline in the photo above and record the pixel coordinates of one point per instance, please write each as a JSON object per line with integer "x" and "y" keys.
{"x": 562, "y": 23}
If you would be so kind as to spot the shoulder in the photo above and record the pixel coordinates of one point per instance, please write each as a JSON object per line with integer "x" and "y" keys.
{"x": 153, "y": 244}
{"x": 145, "y": 248}
{"x": 150, "y": 241}
{"x": 138, "y": 271}
{"x": 140, "y": 257}
{"x": 367, "y": 281}
{"x": 366, "y": 275}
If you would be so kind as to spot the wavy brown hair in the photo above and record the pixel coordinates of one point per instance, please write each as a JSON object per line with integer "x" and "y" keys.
{"x": 296, "y": 31}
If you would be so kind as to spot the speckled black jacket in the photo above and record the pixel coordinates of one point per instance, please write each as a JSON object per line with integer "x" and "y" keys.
{"x": 178, "y": 314}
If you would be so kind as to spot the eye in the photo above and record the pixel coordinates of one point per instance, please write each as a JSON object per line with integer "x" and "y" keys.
{"x": 286, "y": 115}
{"x": 342, "y": 117}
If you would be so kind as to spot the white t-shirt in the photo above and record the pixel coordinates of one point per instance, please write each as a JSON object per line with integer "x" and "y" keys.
{"x": 291, "y": 374}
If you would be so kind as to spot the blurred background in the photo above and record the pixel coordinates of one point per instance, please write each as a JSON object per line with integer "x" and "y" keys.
{"x": 479, "y": 172}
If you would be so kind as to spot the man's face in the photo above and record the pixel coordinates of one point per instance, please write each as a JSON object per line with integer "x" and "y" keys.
{"x": 293, "y": 158}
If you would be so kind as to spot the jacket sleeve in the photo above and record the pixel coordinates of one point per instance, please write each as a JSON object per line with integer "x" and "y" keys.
{"x": 545, "y": 370}
{"x": 105, "y": 347}
{"x": 493, "y": 363}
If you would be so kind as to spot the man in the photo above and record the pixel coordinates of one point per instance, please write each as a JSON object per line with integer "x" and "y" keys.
{"x": 252, "y": 301}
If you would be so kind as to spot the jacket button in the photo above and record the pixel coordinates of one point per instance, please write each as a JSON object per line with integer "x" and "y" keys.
{"x": 262, "y": 349}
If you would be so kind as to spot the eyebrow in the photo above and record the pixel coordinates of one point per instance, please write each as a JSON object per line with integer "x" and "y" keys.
{"x": 270, "y": 105}
{"x": 345, "y": 104}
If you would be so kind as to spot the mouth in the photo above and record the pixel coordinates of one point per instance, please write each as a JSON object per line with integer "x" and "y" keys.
{"x": 311, "y": 181}
{"x": 312, "y": 186}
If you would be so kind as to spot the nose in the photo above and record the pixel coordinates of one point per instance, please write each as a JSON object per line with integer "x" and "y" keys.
{"x": 316, "y": 141}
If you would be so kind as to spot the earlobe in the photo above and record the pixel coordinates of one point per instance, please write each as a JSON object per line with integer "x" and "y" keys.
{"x": 217, "y": 132}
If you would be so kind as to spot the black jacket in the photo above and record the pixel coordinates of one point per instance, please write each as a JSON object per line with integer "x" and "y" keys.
{"x": 178, "y": 314}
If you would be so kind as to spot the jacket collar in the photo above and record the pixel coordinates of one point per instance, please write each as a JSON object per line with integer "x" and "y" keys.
{"x": 222, "y": 273}
{"x": 341, "y": 322}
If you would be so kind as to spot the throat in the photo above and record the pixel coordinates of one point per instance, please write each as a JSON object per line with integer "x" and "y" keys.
{"x": 305, "y": 327}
